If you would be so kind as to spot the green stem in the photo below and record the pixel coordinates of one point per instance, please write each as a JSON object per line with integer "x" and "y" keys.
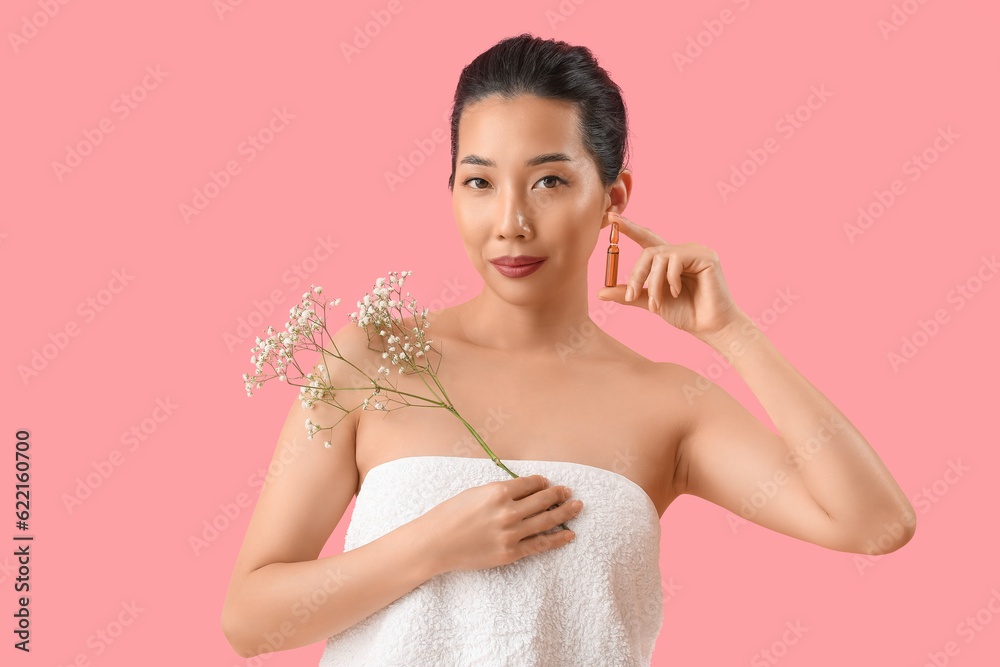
{"x": 446, "y": 403}
{"x": 492, "y": 456}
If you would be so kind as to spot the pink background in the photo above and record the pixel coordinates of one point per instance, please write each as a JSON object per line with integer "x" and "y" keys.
{"x": 164, "y": 334}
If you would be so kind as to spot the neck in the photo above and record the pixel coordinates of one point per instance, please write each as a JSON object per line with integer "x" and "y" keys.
{"x": 541, "y": 328}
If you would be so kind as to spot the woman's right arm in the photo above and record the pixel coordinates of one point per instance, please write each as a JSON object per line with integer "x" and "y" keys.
{"x": 282, "y": 596}
{"x": 282, "y": 606}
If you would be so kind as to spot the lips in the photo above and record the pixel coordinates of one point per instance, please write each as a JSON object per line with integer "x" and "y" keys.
{"x": 519, "y": 260}
{"x": 520, "y": 266}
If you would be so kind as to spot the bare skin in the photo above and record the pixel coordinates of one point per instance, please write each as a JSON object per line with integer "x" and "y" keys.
{"x": 525, "y": 185}
{"x": 541, "y": 408}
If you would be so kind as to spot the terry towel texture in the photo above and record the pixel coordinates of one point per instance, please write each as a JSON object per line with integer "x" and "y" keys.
{"x": 596, "y": 601}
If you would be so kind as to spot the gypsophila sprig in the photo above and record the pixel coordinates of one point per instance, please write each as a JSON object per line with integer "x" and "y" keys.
{"x": 382, "y": 315}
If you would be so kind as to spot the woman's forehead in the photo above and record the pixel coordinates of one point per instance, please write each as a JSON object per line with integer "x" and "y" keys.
{"x": 517, "y": 132}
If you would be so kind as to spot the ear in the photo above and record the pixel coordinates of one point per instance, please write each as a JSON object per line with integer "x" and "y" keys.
{"x": 617, "y": 195}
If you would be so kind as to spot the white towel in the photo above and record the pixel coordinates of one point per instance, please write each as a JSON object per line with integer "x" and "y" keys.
{"x": 595, "y": 601}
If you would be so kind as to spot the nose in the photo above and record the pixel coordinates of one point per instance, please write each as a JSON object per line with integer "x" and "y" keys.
{"x": 514, "y": 222}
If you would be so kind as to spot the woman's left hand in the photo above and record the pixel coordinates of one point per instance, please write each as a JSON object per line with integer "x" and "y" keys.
{"x": 686, "y": 285}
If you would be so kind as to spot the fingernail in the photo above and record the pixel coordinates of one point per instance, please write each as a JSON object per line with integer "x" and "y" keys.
{"x": 628, "y": 293}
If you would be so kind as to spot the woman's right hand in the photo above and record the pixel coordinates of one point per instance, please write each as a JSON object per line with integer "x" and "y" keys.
{"x": 498, "y": 523}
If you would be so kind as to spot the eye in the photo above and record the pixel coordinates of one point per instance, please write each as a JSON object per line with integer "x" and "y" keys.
{"x": 550, "y": 177}
{"x": 474, "y": 178}
{"x": 559, "y": 180}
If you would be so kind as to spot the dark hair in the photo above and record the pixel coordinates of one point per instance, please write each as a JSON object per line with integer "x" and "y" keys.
{"x": 529, "y": 65}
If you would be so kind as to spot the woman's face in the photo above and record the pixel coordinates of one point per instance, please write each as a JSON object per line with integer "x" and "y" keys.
{"x": 525, "y": 185}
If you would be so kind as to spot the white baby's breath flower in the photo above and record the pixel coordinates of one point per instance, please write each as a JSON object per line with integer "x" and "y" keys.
{"x": 381, "y": 313}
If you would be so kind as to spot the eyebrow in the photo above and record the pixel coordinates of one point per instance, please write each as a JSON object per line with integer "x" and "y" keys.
{"x": 533, "y": 162}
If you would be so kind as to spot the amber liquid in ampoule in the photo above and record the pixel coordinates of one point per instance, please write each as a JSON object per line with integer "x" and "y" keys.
{"x": 611, "y": 271}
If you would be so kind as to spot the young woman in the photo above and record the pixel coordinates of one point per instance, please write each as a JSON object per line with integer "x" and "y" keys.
{"x": 450, "y": 561}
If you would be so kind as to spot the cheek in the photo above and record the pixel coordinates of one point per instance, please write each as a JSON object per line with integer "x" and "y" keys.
{"x": 585, "y": 212}
{"x": 459, "y": 211}
{"x": 472, "y": 228}
{"x": 467, "y": 211}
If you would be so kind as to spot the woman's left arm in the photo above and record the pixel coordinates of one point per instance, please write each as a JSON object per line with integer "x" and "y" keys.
{"x": 841, "y": 472}
{"x": 820, "y": 480}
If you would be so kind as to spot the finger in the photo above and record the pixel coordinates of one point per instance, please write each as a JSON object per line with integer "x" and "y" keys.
{"x": 644, "y": 236}
{"x": 638, "y": 277}
{"x": 542, "y": 500}
{"x": 524, "y": 486}
{"x": 549, "y": 520}
{"x": 657, "y": 276}
{"x": 617, "y": 294}
{"x": 674, "y": 270}
{"x": 539, "y": 543}
{"x": 641, "y": 300}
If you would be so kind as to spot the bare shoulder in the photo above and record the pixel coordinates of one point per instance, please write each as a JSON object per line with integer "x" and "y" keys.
{"x": 362, "y": 358}
{"x": 680, "y": 382}
{"x": 308, "y": 486}
{"x": 662, "y": 418}
{"x": 674, "y": 386}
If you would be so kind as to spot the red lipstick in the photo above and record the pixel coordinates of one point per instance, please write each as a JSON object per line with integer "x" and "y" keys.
{"x": 519, "y": 266}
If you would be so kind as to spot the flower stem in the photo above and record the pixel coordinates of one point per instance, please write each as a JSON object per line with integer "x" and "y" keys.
{"x": 489, "y": 451}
